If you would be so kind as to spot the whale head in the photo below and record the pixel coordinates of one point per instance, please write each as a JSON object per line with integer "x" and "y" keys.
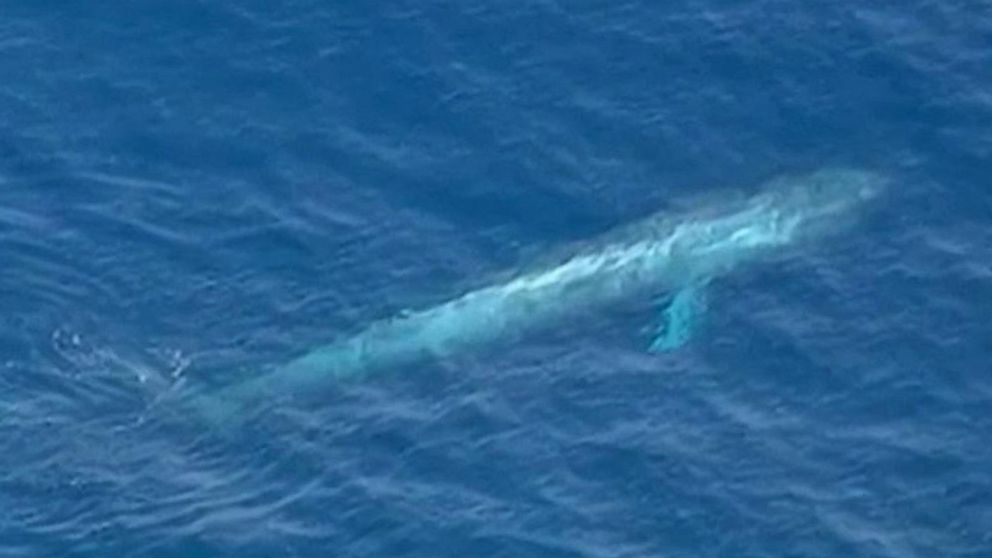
{"x": 828, "y": 199}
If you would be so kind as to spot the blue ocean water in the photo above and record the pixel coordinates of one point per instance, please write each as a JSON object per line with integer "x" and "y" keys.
{"x": 194, "y": 192}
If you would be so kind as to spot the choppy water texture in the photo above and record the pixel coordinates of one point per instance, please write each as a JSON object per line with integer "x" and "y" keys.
{"x": 195, "y": 192}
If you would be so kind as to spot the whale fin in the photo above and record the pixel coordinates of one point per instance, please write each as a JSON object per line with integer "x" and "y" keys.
{"x": 681, "y": 318}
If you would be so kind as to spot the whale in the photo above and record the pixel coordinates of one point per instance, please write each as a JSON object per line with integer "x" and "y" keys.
{"x": 667, "y": 258}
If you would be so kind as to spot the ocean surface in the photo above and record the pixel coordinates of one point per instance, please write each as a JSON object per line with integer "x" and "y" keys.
{"x": 195, "y": 192}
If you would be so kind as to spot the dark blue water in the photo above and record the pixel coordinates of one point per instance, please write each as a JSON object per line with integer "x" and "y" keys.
{"x": 194, "y": 192}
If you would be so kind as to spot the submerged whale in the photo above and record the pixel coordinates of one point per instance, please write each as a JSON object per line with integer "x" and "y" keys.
{"x": 662, "y": 254}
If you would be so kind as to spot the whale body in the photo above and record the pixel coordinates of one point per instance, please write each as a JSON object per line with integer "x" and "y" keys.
{"x": 661, "y": 254}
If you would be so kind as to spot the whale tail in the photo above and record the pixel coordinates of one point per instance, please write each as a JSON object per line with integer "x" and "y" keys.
{"x": 175, "y": 401}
